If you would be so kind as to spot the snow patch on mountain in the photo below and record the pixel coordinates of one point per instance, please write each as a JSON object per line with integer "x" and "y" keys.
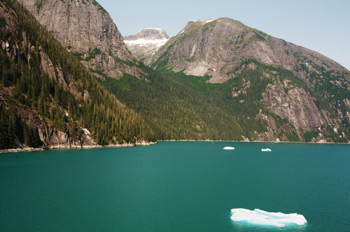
{"x": 146, "y": 42}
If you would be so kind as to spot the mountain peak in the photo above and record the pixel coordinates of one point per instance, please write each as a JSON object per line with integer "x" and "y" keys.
{"x": 87, "y": 30}
{"x": 146, "y": 42}
{"x": 217, "y": 47}
{"x": 148, "y": 34}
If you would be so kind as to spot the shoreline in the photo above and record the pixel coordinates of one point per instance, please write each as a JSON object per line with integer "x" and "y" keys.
{"x": 74, "y": 147}
{"x": 242, "y": 141}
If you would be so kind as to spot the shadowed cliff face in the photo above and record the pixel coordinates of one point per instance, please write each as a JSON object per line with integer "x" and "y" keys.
{"x": 88, "y": 31}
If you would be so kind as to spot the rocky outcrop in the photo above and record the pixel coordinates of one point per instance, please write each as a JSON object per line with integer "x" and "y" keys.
{"x": 88, "y": 31}
{"x": 217, "y": 47}
{"x": 49, "y": 135}
{"x": 295, "y": 105}
{"x": 146, "y": 42}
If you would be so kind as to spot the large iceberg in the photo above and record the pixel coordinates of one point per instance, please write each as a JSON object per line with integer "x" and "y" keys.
{"x": 261, "y": 217}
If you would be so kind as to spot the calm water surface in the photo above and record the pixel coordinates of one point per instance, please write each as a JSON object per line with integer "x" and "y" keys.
{"x": 174, "y": 186}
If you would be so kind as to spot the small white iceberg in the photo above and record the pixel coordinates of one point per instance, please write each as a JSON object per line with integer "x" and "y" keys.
{"x": 228, "y": 148}
{"x": 261, "y": 217}
{"x": 266, "y": 149}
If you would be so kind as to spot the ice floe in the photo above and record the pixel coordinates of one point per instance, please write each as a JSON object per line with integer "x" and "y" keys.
{"x": 266, "y": 149}
{"x": 261, "y": 217}
{"x": 228, "y": 148}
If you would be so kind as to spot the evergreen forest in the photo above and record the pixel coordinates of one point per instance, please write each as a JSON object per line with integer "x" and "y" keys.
{"x": 42, "y": 85}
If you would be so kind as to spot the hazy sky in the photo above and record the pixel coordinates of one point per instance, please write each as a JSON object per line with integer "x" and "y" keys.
{"x": 320, "y": 25}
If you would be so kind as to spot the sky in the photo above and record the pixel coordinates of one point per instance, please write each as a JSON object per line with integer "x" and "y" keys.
{"x": 320, "y": 25}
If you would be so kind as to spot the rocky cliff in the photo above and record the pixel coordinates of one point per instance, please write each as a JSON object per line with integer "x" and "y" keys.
{"x": 304, "y": 94}
{"x": 86, "y": 29}
{"x": 146, "y": 42}
{"x": 217, "y": 47}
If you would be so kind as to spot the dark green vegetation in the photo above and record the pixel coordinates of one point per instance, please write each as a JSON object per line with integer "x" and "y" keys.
{"x": 90, "y": 55}
{"x": 177, "y": 106}
{"x": 306, "y": 100}
{"x": 14, "y": 131}
{"x": 44, "y": 86}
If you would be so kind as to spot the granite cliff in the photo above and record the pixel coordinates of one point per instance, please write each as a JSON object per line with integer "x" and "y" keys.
{"x": 86, "y": 29}
{"x": 217, "y": 47}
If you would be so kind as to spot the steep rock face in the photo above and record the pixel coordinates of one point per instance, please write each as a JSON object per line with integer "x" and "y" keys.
{"x": 295, "y": 105}
{"x": 303, "y": 95}
{"x": 217, "y": 47}
{"x": 88, "y": 31}
{"x": 146, "y": 42}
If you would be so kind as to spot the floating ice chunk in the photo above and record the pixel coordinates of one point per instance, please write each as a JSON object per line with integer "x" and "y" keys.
{"x": 228, "y": 148}
{"x": 261, "y": 217}
{"x": 266, "y": 149}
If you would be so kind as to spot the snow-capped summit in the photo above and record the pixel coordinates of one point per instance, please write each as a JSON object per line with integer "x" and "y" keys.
{"x": 146, "y": 42}
{"x": 148, "y": 34}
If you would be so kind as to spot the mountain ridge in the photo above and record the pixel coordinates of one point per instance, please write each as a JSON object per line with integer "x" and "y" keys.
{"x": 242, "y": 42}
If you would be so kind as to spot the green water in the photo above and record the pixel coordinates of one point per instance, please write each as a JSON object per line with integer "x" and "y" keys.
{"x": 174, "y": 186}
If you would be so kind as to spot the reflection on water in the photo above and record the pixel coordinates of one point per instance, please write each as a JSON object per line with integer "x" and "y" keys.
{"x": 244, "y": 226}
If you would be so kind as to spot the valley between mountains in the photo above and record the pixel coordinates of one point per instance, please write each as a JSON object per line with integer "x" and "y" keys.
{"x": 215, "y": 80}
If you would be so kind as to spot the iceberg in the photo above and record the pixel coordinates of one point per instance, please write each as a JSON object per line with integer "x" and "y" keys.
{"x": 261, "y": 217}
{"x": 266, "y": 149}
{"x": 228, "y": 148}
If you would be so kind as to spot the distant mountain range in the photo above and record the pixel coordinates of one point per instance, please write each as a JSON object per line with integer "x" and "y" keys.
{"x": 216, "y": 79}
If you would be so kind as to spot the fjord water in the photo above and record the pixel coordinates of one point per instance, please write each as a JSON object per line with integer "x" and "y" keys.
{"x": 174, "y": 186}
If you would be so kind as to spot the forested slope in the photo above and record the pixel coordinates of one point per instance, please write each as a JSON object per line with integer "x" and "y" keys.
{"x": 223, "y": 80}
{"x": 47, "y": 97}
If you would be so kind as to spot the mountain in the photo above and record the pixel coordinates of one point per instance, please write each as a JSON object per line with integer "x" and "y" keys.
{"x": 216, "y": 48}
{"x": 146, "y": 42}
{"x": 219, "y": 79}
{"x": 86, "y": 29}
{"x": 299, "y": 94}
{"x": 48, "y": 98}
